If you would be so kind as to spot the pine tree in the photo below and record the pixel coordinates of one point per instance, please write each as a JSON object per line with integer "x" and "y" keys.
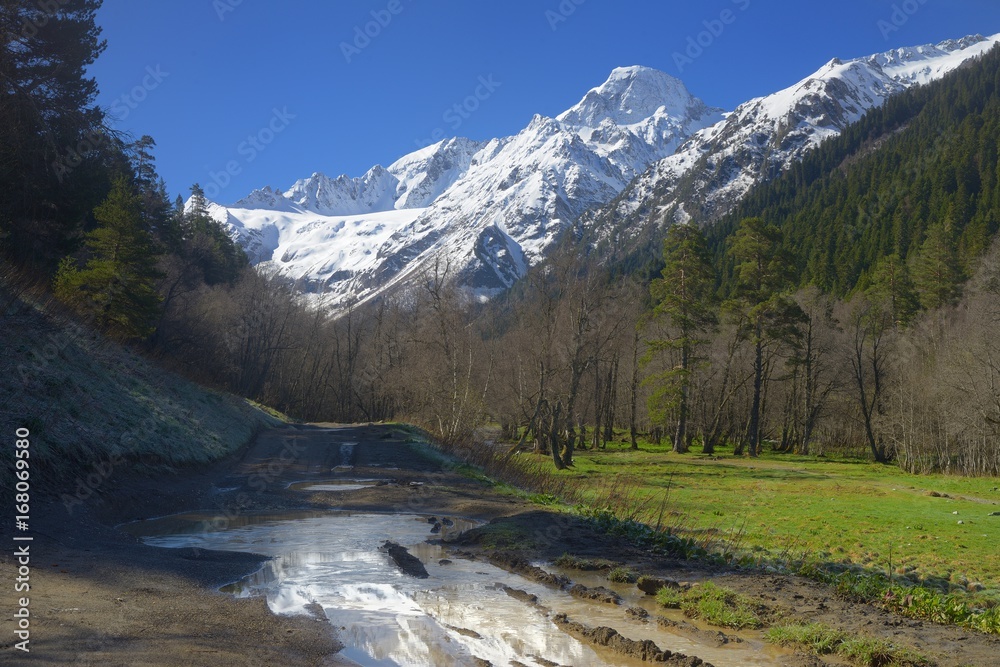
{"x": 892, "y": 287}
{"x": 152, "y": 189}
{"x": 199, "y": 203}
{"x": 936, "y": 270}
{"x": 117, "y": 286}
{"x": 683, "y": 294}
{"x": 207, "y": 244}
{"x": 50, "y": 128}
{"x": 762, "y": 271}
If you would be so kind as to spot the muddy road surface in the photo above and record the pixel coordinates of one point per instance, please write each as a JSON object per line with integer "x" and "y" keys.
{"x": 312, "y": 534}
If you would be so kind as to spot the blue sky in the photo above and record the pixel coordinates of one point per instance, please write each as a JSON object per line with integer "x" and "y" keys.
{"x": 274, "y": 91}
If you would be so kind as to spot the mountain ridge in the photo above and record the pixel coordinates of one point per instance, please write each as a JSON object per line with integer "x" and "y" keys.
{"x": 486, "y": 210}
{"x": 637, "y": 151}
{"x": 715, "y": 168}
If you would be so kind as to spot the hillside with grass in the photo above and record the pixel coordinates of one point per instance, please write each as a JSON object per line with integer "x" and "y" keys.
{"x": 94, "y": 407}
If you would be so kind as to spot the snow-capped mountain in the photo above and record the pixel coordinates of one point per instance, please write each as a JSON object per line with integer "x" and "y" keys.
{"x": 637, "y": 151}
{"x": 414, "y": 181}
{"x": 717, "y": 166}
{"x": 486, "y": 211}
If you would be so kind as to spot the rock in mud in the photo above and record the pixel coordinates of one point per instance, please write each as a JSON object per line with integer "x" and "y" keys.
{"x": 517, "y": 565}
{"x": 406, "y": 561}
{"x": 652, "y": 585}
{"x": 543, "y": 662}
{"x": 646, "y": 650}
{"x": 637, "y": 613}
{"x": 599, "y": 594}
{"x": 521, "y": 596}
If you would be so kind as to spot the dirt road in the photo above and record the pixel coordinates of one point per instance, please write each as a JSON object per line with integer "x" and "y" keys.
{"x": 98, "y": 596}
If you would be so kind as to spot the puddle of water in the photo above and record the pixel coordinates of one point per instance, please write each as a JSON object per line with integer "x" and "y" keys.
{"x": 347, "y": 455}
{"x": 334, "y": 485}
{"x": 330, "y": 561}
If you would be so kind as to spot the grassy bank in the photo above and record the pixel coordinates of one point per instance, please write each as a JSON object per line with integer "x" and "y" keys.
{"x": 93, "y": 406}
{"x": 933, "y": 529}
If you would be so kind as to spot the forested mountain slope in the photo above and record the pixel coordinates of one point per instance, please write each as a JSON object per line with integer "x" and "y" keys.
{"x": 922, "y": 167}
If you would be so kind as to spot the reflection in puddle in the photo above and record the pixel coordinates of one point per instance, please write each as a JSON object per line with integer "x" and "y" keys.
{"x": 329, "y": 563}
{"x": 334, "y": 485}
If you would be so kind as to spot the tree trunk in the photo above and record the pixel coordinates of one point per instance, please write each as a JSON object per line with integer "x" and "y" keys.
{"x": 554, "y": 438}
{"x": 680, "y": 436}
{"x": 633, "y": 395}
{"x": 753, "y": 435}
{"x": 598, "y": 408}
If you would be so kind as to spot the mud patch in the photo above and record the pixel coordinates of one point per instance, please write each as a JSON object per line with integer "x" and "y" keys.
{"x": 517, "y": 565}
{"x": 696, "y": 634}
{"x": 520, "y": 596}
{"x": 598, "y": 594}
{"x": 646, "y": 650}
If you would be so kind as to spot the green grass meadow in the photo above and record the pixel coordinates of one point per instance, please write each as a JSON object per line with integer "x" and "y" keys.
{"x": 934, "y": 530}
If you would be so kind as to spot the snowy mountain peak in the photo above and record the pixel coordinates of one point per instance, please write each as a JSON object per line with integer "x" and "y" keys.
{"x": 717, "y": 166}
{"x": 629, "y": 96}
{"x": 344, "y": 195}
{"x": 489, "y": 210}
{"x": 923, "y": 64}
{"x": 267, "y": 198}
{"x": 425, "y": 174}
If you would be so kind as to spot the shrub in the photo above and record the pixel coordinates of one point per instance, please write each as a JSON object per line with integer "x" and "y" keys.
{"x": 622, "y": 575}
{"x": 715, "y": 605}
{"x": 865, "y": 651}
{"x": 669, "y": 598}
